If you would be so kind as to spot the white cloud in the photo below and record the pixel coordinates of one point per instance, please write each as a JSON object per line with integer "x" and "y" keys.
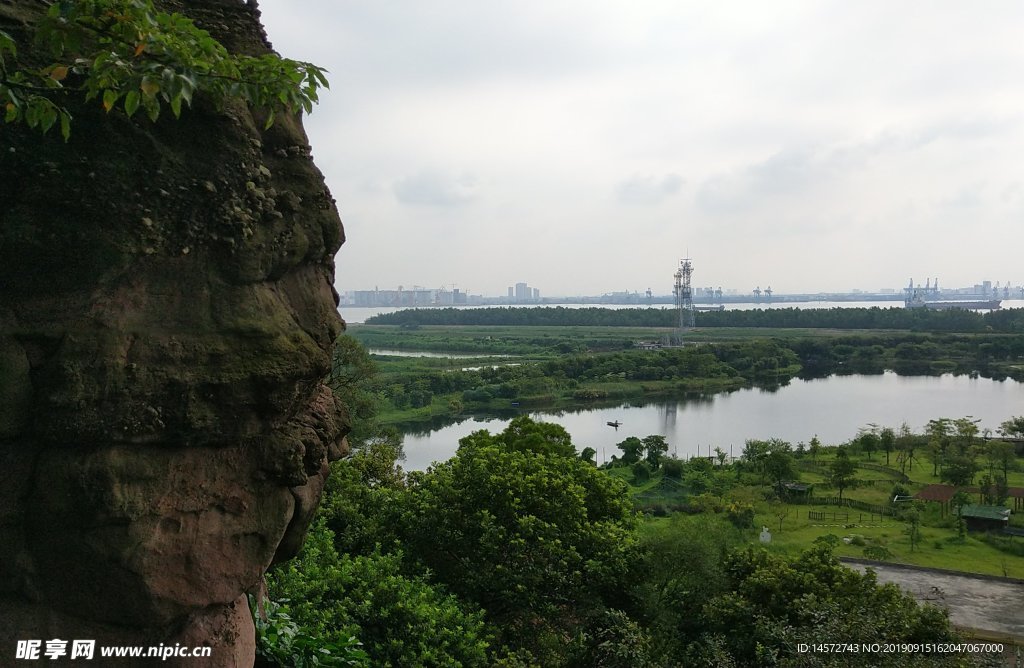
{"x": 432, "y": 188}
{"x": 648, "y": 190}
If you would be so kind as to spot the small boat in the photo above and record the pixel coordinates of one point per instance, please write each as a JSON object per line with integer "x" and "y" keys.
{"x": 615, "y": 424}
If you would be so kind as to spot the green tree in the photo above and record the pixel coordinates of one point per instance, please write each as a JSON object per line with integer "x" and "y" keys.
{"x": 906, "y": 444}
{"x": 887, "y": 441}
{"x": 939, "y": 432}
{"x": 641, "y": 472}
{"x": 966, "y": 430}
{"x": 814, "y": 448}
{"x": 842, "y": 471}
{"x": 353, "y": 373}
{"x": 770, "y": 604}
{"x": 913, "y": 529}
{"x": 755, "y": 452}
{"x": 620, "y": 642}
{"x": 679, "y": 572}
{"x": 779, "y": 465}
{"x": 127, "y": 55}
{"x": 632, "y": 448}
{"x": 959, "y": 500}
{"x": 401, "y": 620}
{"x": 537, "y": 539}
{"x": 1014, "y": 427}
{"x": 655, "y": 447}
{"x": 868, "y": 439}
{"x": 283, "y": 643}
{"x": 360, "y": 498}
{"x": 523, "y": 434}
{"x": 959, "y": 471}
{"x": 1001, "y": 455}
{"x": 987, "y": 488}
{"x": 672, "y": 468}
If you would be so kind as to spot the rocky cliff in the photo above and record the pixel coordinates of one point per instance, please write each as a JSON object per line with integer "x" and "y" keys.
{"x": 166, "y": 318}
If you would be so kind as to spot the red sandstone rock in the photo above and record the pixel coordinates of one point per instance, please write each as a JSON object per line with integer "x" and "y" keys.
{"x": 166, "y": 318}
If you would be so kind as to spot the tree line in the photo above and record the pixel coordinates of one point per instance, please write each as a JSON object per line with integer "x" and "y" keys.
{"x": 920, "y": 319}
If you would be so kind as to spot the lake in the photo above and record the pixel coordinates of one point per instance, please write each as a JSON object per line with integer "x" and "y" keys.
{"x": 832, "y": 408}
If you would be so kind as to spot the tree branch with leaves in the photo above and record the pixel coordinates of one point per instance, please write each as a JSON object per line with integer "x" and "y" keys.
{"x": 128, "y": 55}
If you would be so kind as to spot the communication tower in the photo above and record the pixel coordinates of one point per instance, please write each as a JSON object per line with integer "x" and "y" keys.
{"x": 684, "y": 295}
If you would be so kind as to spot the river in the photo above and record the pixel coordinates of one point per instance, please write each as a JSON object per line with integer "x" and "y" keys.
{"x": 832, "y": 408}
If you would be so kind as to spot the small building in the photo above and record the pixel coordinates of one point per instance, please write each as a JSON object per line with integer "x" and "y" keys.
{"x": 985, "y": 518}
{"x": 798, "y": 490}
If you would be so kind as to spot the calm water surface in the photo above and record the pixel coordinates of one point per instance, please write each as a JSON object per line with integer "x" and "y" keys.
{"x": 425, "y": 353}
{"x": 834, "y": 408}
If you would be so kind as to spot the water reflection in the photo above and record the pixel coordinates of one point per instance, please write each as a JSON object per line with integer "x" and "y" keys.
{"x": 833, "y": 408}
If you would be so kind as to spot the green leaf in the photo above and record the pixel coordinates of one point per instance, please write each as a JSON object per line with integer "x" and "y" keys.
{"x": 109, "y": 99}
{"x": 176, "y": 105}
{"x": 131, "y": 102}
{"x": 48, "y": 117}
{"x": 65, "y": 125}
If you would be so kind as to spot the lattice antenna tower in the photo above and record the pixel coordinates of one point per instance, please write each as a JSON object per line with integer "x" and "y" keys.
{"x": 684, "y": 294}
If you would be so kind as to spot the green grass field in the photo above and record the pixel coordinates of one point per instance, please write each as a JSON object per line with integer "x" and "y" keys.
{"x": 794, "y": 530}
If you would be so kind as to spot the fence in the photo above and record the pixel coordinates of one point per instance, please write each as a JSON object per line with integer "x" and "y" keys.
{"x": 822, "y": 515}
{"x": 902, "y": 477}
{"x": 872, "y": 508}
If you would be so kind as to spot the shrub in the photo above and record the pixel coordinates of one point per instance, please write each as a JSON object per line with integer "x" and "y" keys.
{"x": 877, "y": 552}
{"x": 740, "y": 514}
{"x": 672, "y": 468}
{"x": 282, "y": 642}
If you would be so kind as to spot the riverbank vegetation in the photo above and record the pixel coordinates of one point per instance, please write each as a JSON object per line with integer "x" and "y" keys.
{"x": 550, "y": 368}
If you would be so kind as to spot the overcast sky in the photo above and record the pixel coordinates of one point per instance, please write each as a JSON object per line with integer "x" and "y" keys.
{"x": 585, "y": 147}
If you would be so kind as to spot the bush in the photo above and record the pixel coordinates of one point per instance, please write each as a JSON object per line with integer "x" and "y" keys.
{"x": 877, "y": 552}
{"x": 480, "y": 396}
{"x": 701, "y": 464}
{"x": 402, "y": 621}
{"x": 641, "y": 472}
{"x": 898, "y": 490}
{"x": 740, "y": 514}
{"x": 281, "y": 642}
{"x": 672, "y": 468}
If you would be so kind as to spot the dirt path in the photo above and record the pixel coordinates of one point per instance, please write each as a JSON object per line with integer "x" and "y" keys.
{"x": 973, "y": 602}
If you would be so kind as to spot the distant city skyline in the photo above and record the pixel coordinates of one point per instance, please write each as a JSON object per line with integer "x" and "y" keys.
{"x": 518, "y": 290}
{"x": 522, "y": 293}
{"x": 810, "y": 145}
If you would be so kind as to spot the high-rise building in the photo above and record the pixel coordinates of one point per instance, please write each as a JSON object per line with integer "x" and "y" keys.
{"x": 522, "y": 292}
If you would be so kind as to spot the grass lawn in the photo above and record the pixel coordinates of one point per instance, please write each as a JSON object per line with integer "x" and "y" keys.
{"x": 794, "y": 531}
{"x": 937, "y": 547}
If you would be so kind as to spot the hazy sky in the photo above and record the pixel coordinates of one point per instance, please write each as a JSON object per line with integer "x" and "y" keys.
{"x": 585, "y": 147}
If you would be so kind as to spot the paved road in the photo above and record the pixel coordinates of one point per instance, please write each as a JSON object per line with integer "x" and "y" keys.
{"x": 976, "y": 603}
